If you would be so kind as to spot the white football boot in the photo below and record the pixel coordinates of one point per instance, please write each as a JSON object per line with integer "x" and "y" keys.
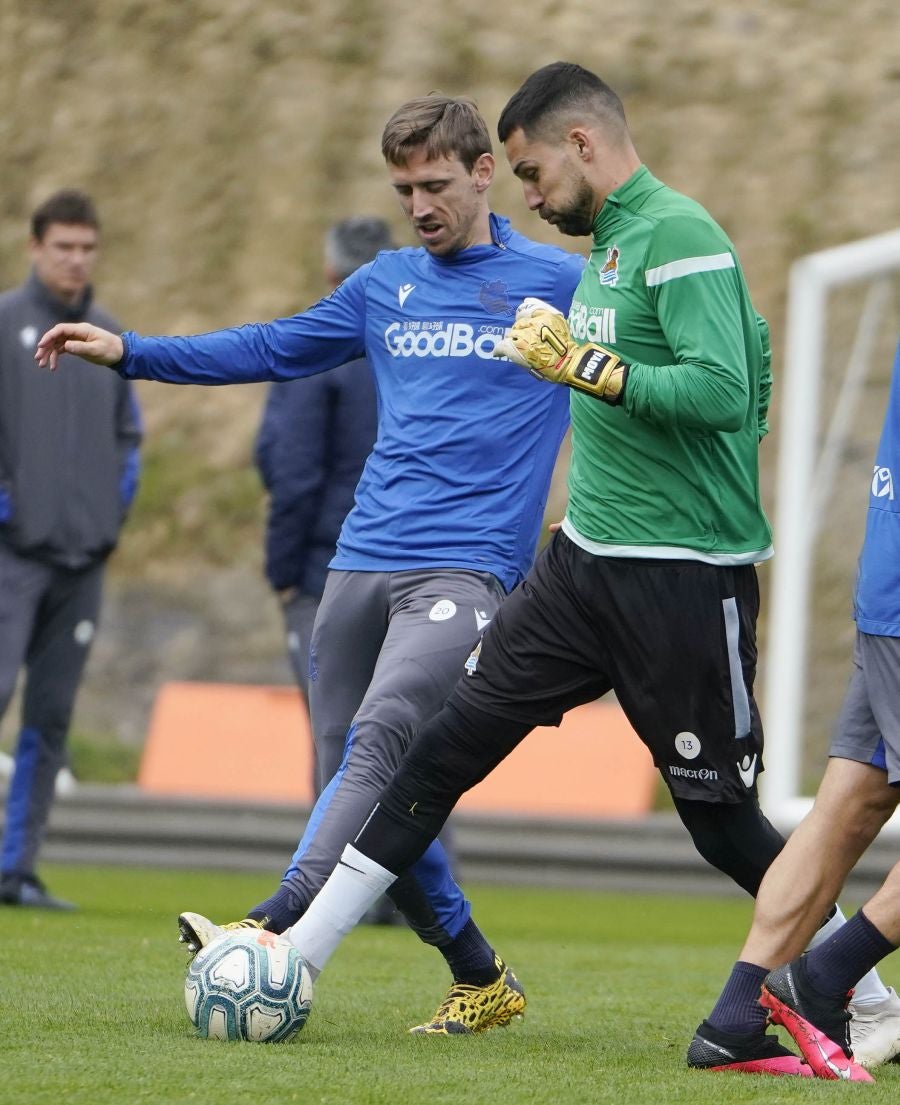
{"x": 875, "y": 1030}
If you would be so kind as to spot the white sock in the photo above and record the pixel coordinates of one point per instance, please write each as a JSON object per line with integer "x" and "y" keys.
{"x": 870, "y": 990}
{"x": 353, "y": 886}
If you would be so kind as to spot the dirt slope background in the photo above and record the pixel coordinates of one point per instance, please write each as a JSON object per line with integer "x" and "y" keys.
{"x": 221, "y": 137}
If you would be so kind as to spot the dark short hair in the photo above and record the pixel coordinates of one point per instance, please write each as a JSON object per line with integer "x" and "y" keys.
{"x": 554, "y": 92}
{"x": 67, "y": 206}
{"x": 446, "y": 127}
{"x": 355, "y": 241}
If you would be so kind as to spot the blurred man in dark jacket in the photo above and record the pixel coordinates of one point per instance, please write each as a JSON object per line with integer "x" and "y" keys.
{"x": 312, "y": 445}
{"x": 68, "y": 473}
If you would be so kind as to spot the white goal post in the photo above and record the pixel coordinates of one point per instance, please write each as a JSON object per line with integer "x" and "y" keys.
{"x": 805, "y": 472}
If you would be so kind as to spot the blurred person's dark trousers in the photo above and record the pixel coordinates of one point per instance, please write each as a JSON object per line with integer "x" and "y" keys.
{"x": 48, "y": 618}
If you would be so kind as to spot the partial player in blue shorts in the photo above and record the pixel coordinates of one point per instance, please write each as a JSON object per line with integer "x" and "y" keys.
{"x": 858, "y": 793}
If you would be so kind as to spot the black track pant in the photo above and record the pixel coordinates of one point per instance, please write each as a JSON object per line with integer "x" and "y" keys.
{"x": 734, "y": 837}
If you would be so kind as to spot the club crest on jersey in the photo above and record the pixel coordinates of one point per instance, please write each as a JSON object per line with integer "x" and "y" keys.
{"x": 609, "y": 274}
{"x": 494, "y": 297}
{"x": 471, "y": 664}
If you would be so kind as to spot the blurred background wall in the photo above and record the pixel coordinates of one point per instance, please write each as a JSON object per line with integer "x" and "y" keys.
{"x": 221, "y": 137}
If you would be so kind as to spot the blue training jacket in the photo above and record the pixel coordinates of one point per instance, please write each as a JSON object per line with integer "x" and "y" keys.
{"x": 878, "y": 586}
{"x": 461, "y": 467}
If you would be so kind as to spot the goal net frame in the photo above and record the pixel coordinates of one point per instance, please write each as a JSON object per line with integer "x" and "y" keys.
{"x": 805, "y": 471}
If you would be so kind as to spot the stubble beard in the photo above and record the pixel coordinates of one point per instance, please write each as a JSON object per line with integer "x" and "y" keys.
{"x": 577, "y": 219}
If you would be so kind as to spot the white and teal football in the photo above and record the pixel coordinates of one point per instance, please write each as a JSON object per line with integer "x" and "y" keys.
{"x": 248, "y": 986}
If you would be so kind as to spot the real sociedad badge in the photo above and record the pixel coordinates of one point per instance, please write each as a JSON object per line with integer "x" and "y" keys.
{"x": 609, "y": 274}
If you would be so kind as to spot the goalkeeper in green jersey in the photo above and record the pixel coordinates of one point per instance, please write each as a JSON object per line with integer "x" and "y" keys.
{"x": 649, "y": 587}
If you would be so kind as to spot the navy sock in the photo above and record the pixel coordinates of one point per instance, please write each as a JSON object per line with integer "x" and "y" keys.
{"x": 470, "y": 957}
{"x": 738, "y": 1008}
{"x": 280, "y": 911}
{"x": 836, "y": 965}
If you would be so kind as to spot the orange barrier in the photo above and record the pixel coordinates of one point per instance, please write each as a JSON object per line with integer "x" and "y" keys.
{"x": 228, "y": 740}
{"x": 223, "y": 740}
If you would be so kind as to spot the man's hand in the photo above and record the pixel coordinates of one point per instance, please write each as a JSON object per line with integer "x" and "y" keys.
{"x": 540, "y": 341}
{"x": 83, "y": 340}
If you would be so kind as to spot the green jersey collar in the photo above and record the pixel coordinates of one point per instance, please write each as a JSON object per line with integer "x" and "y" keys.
{"x": 631, "y": 194}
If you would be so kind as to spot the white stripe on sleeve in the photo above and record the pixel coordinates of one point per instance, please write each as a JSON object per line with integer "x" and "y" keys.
{"x": 686, "y": 267}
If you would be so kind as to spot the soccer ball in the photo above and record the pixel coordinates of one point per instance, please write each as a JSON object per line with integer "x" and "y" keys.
{"x": 248, "y": 986}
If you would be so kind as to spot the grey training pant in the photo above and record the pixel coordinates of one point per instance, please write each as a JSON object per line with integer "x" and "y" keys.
{"x": 48, "y": 616}
{"x": 387, "y": 648}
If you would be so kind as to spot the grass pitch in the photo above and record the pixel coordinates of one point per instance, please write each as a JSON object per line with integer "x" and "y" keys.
{"x": 91, "y": 1009}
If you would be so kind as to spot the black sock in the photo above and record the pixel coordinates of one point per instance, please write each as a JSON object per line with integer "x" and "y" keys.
{"x": 470, "y": 957}
{"x": 836, "y": 965}
{"x": 738, "y": 1008}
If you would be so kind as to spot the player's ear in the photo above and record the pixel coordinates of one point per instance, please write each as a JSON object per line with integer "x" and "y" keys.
{"x": 582, "y": 141}
{"x": 483, "y": 172}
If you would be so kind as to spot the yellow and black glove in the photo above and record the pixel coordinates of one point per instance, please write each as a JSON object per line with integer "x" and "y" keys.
{"x": 540, "y": 341}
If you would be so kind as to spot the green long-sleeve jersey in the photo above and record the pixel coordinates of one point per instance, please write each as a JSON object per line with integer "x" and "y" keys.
{"x": 673, "y": 471}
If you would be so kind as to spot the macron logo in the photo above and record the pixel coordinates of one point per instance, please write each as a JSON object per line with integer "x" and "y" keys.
{"x": 403, "y": 292}
{"x": 882, "y": 480}
{"x": 747, "y": 770}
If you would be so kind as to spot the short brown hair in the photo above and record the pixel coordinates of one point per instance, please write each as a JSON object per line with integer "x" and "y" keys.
{"x": 68, "y": 206}
{"x": 446, "y": 127}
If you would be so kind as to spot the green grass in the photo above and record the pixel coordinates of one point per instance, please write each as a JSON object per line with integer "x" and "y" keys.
{"x": 91, "y": 1008}
{"x": 102, "y": 758}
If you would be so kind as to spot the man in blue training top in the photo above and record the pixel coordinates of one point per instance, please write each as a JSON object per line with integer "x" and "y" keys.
{"x": 447, "y": 511}
{"x": 313, "y": 441}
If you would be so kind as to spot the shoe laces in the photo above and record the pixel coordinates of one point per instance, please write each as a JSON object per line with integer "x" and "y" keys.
{"x": 460, "y": 991}
{"x": 245, "y": 923}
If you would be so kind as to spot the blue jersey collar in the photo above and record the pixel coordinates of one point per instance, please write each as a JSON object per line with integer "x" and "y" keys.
{"x": 501, "y": 231}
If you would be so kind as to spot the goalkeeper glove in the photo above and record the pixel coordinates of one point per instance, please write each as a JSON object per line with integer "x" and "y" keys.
{"x": 540, "y": 341}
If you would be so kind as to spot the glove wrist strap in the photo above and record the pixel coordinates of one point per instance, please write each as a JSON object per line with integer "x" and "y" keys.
{"x": 598, "y": 372}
